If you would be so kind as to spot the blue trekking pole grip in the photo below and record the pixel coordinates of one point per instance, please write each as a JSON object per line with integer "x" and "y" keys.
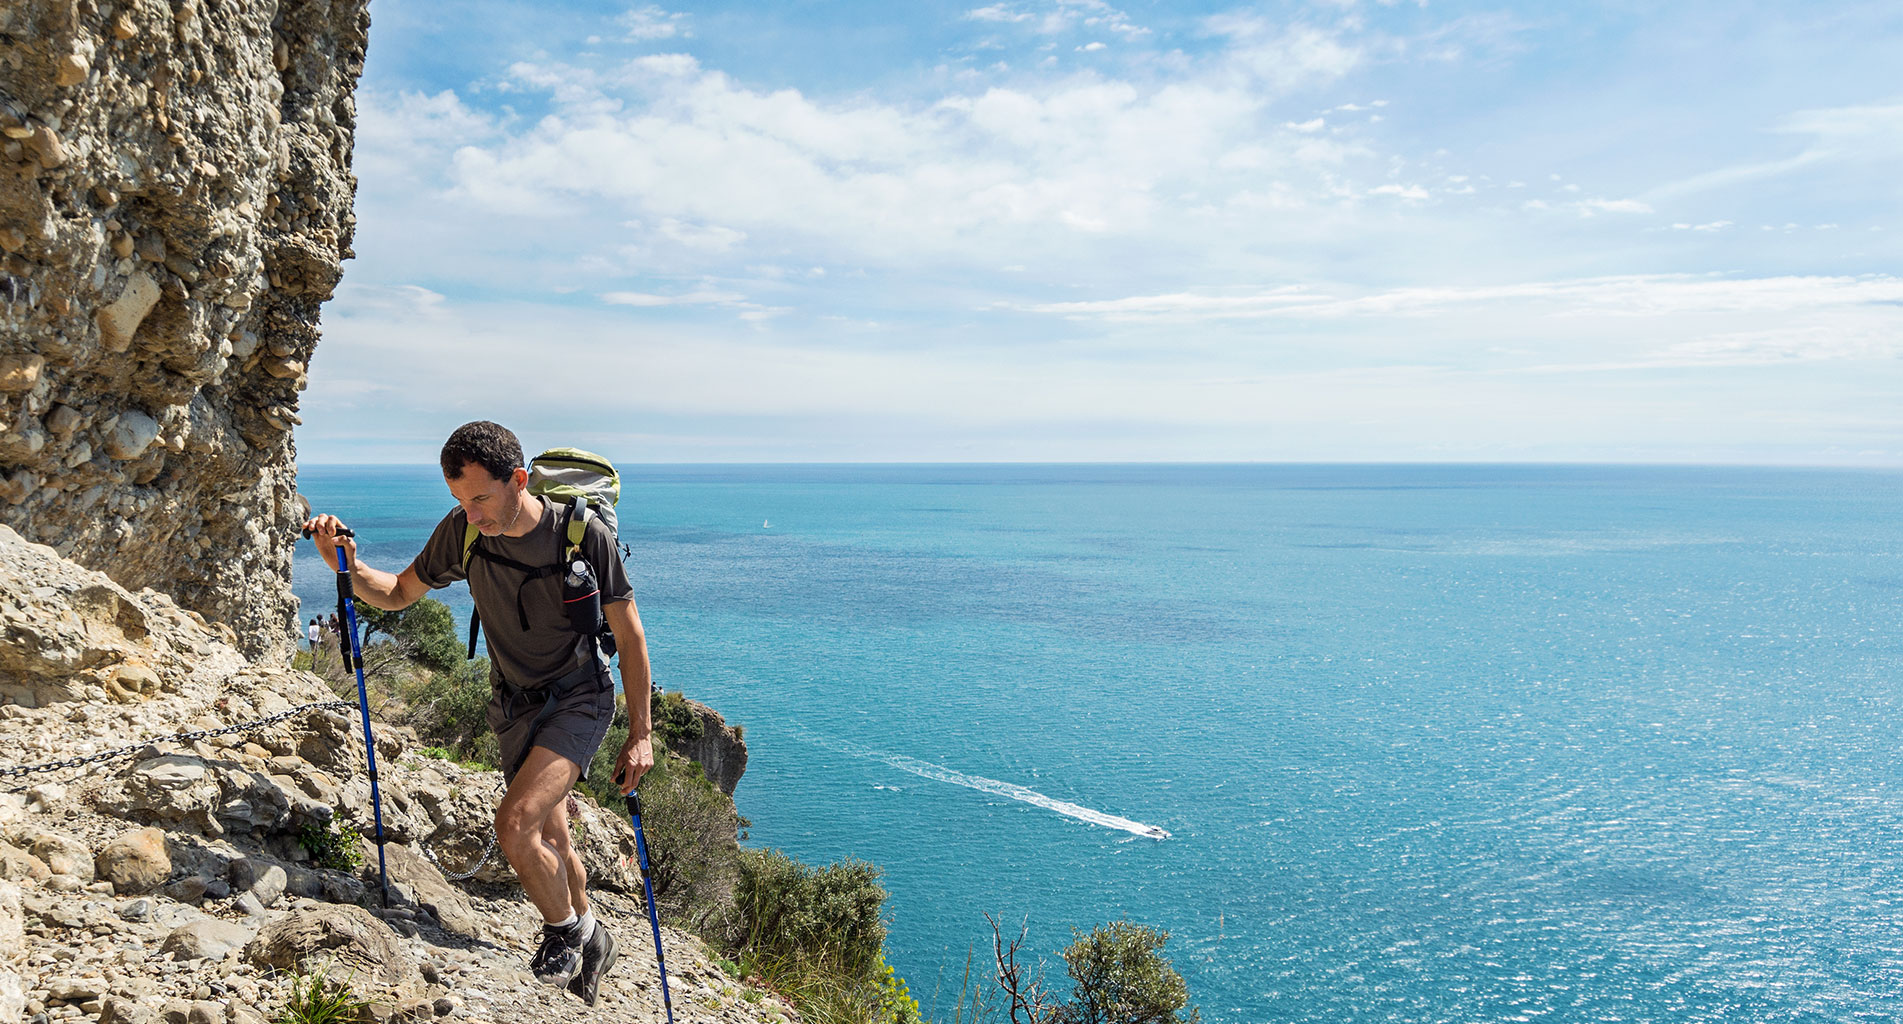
{"x": 347, "y": 617}
{"x": 647, "y": 884}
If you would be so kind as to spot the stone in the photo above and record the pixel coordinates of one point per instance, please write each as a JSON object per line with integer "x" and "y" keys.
{"x": 63, "y": 855}
{"x": 21, "y": 372}
{"x": 209, "y": 939}
{"x": 205, "y": 1012}
{"x": 18, "y": 865}
{"x": 431, "y": 890}
{"x": 136, "y": 861}
{"x": 12, "y": 996}
{"x": 173, "y": 787}
{"x": 120, "y": 320}
{"x": 12, "y": 924}
{"x": 133, "y": 434}
{"x": 269, "y": 886}
{"x": 46, "y": 146}
{"x": 63, "y": 420}
{"x": 74, "y": 990}
{"x": 70, "y": 70}
{"x": 189, "y": 889}
{"x": 123, "y": 1010}
{"x": 44, "y": 797}
{"x": 349, "y": 939}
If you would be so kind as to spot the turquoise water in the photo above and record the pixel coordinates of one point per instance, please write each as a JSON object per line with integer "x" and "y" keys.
{"x": 1433, "y": 743}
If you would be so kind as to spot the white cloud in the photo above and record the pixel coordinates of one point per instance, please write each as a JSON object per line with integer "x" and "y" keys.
{"x": 695, "y": 298}
{"x": 706, "y": 237}
{"x": 663, "y": 140}
{"x": 1591, "y": 206}
{"x": 1285, "y": 56}
{"x": 1060, "y": 16}
{"x": 1870, "y": 135}
{"x": 646, "y": 24}
{"x": 1634, "y": 296}
{"x": 999, "y": 13}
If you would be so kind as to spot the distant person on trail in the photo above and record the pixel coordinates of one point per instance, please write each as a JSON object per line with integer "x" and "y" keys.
{"x": 551, "y": 699}
{"x": 314, "y": 632}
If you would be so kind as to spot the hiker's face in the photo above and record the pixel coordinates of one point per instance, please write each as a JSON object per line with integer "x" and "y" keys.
{"x": 492, "y": 505}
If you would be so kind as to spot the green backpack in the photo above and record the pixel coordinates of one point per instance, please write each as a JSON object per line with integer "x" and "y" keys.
{"x": 585, "y": 486}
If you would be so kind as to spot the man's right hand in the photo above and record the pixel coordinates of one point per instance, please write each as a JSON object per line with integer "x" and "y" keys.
{"x": 323, "y": 530}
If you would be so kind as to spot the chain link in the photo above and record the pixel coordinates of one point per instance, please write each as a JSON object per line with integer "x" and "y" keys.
{"x": 22, "y": 771}
{"x": 487, "y": 852}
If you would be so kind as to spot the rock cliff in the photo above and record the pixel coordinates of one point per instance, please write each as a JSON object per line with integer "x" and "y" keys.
{"x": 175, "y": 197}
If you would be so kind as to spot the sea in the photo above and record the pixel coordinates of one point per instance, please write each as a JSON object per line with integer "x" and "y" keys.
{"x": 1460, "y": 743}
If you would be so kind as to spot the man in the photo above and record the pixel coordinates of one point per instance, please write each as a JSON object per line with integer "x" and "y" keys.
{"x": 314, "y": 632}
{"x": 551, "y": 698}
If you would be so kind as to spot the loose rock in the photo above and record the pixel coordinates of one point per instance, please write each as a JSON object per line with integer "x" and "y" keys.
{"x": 136, "y": 861}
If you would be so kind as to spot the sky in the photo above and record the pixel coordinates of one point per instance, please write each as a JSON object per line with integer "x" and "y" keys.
{"x": 1076, "y": 231}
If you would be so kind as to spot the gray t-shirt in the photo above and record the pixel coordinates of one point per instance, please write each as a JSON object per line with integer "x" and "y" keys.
{"x": 547, "y": 650}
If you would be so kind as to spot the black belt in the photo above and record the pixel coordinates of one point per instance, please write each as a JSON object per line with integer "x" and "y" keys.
{"x": 560, "y": 688}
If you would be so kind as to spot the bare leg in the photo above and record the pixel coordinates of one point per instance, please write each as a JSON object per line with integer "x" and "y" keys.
{"x": 538, "y": 793}
{"x": 555, "y": 834}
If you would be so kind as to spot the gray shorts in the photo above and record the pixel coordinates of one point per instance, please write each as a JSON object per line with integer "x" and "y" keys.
{"x": 573, "y": 728}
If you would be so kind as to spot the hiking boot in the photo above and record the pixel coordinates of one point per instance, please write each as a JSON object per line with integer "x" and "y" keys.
{"x": 597, "y": 955}
{"x": 559, "y": 956}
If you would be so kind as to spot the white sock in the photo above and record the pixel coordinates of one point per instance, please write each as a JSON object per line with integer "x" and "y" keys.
{"x": 563, "y": 923}
{"x": 588, "y": 926}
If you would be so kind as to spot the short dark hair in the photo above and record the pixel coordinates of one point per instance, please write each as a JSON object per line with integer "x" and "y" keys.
{"x": 489, "y": 445}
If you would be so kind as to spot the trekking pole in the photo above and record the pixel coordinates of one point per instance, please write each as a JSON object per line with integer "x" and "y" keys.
{"x": 353, "y": 656}
{"x": 647, "y": 884}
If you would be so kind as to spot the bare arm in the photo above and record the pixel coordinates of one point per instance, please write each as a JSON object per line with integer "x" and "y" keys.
{"x": 637, "y": 754}
{"x": 388, "y": 591}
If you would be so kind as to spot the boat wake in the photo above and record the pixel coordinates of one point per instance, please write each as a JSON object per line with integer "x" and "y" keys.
{"x": 940, "y": 773}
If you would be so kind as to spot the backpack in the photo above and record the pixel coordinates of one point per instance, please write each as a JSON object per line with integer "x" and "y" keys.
{"x": 585, "y": 486}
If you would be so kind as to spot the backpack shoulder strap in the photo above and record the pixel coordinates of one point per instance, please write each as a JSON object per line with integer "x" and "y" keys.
{"x": 578, "y": 516}
{"x": 470, "y": 533}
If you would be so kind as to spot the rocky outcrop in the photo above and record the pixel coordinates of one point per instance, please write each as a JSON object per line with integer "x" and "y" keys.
{"x": 175, "y": 197}
{"x": 705, "y": 738}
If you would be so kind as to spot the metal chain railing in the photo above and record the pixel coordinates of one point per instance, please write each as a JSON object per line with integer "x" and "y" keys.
{"x": 193, "y": 736}
{"x": 487, "y": 852}
{"x": 22, "y": 771}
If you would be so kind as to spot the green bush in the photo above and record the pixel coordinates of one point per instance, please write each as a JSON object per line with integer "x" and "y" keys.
{"x": 331, "y": 848}
{"x": 1122, "y": 977}
{"x": 831, "y": 914}
{"x": 424, "y": 633}
{"x": 451, "y": 710}
{"x": 674, "y": 722}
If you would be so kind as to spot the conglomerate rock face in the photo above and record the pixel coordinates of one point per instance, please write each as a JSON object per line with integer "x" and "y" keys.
{"x": 175, "y": 196}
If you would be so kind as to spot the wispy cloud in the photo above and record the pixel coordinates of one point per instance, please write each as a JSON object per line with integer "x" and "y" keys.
{"x": 1860, "y": 134}
{"x": 1055, "y": 17}
{"x": 650, "y": 23}
{"x": 1631, "y": 296}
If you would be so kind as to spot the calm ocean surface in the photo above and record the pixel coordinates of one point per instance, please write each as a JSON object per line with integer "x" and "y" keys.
{"x": 1450, "y": 744}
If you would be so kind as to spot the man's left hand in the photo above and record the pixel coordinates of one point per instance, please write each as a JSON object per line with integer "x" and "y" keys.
{"x": 637, "y": 756}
